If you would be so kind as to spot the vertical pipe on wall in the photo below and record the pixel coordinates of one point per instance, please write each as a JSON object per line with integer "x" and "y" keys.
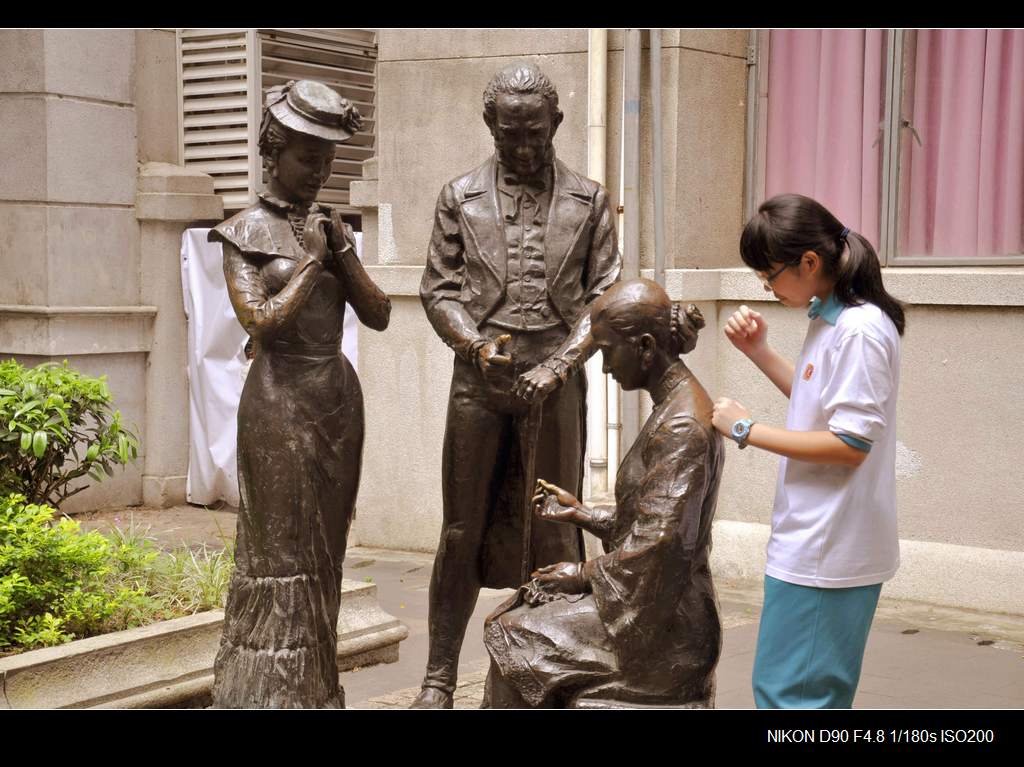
{"x": 631, "y": 154}
{"x": 597, "y": 132}
{"x": 656, "y": 147}
{"x": 750, "y": 166}
{"x": 630, "y": 409}
{"x": 254, "y": 96}
{"x": 597, "y": 112}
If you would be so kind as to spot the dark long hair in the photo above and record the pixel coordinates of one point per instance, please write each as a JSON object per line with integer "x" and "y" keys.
{"x": 788, "y": 225}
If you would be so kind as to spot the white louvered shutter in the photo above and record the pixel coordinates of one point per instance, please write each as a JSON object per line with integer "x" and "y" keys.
{"x": 345, "y": 60}
{"x": 223, "y": 76}
{"x": 220, "y": 92}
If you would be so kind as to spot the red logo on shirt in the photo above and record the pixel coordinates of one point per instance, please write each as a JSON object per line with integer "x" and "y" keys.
{"x": 808, "y": 371}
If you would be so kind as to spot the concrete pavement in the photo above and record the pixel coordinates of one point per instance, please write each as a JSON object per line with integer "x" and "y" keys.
{"x": 918, "y": 656}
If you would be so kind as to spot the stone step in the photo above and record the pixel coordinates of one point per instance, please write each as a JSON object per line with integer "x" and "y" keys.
{"x": 170, "y": 664}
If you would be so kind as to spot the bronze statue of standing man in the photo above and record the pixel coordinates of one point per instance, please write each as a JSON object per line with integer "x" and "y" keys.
{"x": 521, "y": 246}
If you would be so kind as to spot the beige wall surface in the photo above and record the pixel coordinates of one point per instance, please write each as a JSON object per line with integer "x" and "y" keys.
{"x": 405, "y": 373}
{"x": 962, "y": 482}
{"x": 703, "y": 80}
{"x": 69, "y": 158}
{"x": 156, "y": 94}
{"x": 439, "y": 44}
{"x": 99, "y": 242}
{"x": 431, "y": 128}
{"x": 91, "y": 64}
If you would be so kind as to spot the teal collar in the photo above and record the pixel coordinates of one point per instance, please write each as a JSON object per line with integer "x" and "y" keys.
{"x": 828, "y": 310}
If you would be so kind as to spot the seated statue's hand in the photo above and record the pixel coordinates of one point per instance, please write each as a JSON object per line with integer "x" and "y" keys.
{"x": 492, "y": 355}
{"x": 564, "y": 578}
{"x": 314, "y": 237}
{"x": 536, "y": 384}
{"x": 553, "y": 504}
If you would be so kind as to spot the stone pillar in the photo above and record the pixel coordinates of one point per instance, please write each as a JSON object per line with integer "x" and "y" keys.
{"x": 69, "y": 244}
{"x": 365, "y": 196}
{"x": 170, "y": 199}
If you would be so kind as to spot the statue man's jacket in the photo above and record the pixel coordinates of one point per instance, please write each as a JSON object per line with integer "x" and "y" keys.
{"x": 464, "y": 280}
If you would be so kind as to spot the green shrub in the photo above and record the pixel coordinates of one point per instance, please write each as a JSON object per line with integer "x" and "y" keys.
{"x": 54, "y": 581}
{"x": 58, "y": 583}
{"x": 56, "y": 426}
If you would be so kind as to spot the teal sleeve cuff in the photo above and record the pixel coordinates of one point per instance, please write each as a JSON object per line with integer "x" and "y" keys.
{"x": 856, "y": 442}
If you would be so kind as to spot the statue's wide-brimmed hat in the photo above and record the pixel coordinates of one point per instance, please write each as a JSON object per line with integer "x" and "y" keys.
{"x": 309, "y": 107}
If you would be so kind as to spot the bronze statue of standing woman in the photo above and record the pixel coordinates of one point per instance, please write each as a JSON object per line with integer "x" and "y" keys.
{"x": 291, "y": 268}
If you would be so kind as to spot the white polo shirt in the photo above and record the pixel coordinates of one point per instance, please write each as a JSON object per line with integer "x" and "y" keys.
{"x": 835, "y": 526}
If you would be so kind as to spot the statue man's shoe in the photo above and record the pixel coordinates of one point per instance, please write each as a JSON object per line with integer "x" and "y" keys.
{"x": 432, "y": 697}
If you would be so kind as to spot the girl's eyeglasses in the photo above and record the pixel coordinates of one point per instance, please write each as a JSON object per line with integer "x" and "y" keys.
{"x": 767, "y": 281}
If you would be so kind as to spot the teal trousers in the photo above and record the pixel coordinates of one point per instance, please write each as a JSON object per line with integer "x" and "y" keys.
{"x": 810, "y": 644}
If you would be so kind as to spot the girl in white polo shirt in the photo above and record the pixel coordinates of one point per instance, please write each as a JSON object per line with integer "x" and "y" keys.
{"x": 833, "y": 539}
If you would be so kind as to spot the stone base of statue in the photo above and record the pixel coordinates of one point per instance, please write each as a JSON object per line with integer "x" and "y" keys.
{"x": 366, "y": 634}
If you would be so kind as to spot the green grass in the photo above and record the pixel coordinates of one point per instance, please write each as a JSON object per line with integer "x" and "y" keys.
{"x": 179, "y": 582}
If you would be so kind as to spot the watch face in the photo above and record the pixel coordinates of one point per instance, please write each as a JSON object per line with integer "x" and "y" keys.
{"x": 740, "y": 430}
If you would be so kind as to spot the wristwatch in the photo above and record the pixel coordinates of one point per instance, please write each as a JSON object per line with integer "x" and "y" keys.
{"x": 740, "y": 431}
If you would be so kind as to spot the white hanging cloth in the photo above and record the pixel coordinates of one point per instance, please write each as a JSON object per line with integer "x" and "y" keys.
{"x": 217, "y": 368}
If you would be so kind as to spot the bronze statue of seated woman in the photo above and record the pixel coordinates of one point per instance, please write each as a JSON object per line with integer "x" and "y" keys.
{"x": 638, "y": 625}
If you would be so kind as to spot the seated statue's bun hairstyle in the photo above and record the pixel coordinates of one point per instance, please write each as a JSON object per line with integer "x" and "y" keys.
{"x": 684, "y": 326}
{"x": 635, "y": 307}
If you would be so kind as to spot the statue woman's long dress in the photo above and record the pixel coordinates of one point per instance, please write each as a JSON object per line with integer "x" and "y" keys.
{"x": 300, "y": 438}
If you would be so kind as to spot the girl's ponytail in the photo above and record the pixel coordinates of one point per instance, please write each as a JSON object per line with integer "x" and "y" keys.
{"x": 859, "y": 279}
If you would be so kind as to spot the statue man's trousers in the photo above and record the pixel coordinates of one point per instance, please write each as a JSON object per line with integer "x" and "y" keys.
{"x": 483, "y": 490}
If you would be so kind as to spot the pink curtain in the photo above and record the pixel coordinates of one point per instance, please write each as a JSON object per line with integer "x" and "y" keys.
{"x": 825, "y": 113}
{"x": 962, "y": 187}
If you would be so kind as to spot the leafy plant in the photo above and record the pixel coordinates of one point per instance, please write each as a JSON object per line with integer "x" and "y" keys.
{"x": 56, "y": 426}
{"x": 184, "y": 581}
{"x": 53, "y": 577}
{"x": 58, "y": 583}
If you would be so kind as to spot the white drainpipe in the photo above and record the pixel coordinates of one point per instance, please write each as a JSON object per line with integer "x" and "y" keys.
{"x": 597, "y": 133}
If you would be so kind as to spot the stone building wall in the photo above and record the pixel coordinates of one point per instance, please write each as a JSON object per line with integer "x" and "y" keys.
{"x": 88, "y": 251}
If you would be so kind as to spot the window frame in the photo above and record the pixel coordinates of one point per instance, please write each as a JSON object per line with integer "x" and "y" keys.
{"x": 893, "y": 126}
